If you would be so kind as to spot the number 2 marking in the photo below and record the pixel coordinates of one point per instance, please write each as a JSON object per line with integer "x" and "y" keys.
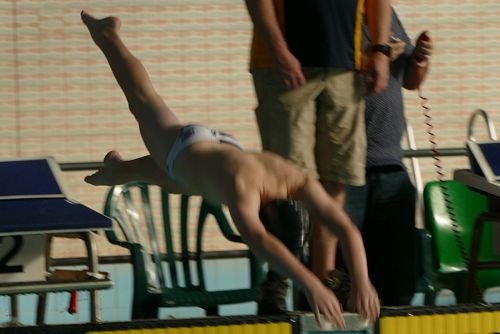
{"x": 6, "y": 269}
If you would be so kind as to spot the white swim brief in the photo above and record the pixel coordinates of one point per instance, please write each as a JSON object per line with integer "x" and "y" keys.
{"x": 191, "y": 134}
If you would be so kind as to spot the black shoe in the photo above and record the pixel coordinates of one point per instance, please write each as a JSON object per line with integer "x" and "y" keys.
{"x": 338, "y": 281}
{"x": 272, "y": 297}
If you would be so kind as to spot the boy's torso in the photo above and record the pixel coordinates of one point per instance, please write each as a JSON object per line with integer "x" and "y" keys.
{"x": 217, "y": 171}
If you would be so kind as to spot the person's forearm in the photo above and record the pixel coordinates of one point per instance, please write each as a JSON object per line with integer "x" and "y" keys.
{"x": 263, "y": 15}
{"x": 378, "y": 19}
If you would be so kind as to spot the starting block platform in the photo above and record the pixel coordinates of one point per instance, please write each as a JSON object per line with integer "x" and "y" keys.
{"x": 457, "y": 319}
{"x": 34, "y": 200}
{"x": 35, "y": 207}
{"x": 285, "y": 324}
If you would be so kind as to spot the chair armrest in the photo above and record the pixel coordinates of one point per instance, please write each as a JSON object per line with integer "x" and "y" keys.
{"x": 222, "y": 222}
{"x": 111, "y": 210}
{"x": 112, "y": 238}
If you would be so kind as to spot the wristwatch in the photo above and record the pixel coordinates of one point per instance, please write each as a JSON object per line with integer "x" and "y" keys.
{"x": 383, "y": 48}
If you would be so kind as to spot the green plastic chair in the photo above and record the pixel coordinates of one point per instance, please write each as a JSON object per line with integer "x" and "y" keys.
{"x": 157, "y": 277}
{"x": 451, "y": 246}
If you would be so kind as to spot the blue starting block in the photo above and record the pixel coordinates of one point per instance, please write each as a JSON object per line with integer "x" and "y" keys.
{"x": 34, "y": 208}
{"x": 33, "y": 200}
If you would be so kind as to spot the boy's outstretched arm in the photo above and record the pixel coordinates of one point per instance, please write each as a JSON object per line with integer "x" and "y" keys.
{"x": 244, "y": 212}
{"x": 363, "y": 298}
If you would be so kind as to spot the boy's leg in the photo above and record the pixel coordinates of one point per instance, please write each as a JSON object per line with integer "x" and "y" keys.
{"x": 158, "y": 125}
{"x": 116, "y": 171}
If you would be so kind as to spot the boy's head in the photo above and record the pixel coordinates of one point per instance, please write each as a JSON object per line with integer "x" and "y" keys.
{"x": 288, "y": 220}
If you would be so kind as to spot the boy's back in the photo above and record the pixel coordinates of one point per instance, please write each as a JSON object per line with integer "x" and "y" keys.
{"x": 222, "y": 171}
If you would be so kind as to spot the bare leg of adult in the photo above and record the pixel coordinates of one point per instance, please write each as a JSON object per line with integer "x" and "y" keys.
{"x": 324, "y": 248}
{"x": 157, "y": 123}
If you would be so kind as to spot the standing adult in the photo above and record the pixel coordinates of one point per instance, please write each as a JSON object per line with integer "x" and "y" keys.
{"x": 305, "y": 61}
{"x": 384, "y": 208}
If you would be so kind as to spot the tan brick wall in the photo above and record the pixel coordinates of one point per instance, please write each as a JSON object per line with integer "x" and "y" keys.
{"x": 58, "y": 96}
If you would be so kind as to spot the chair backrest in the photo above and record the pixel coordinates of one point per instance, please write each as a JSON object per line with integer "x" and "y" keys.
{"x": 159, "y": 239}
{"x": 130, "y": 207}
{"x": 450, "y": 220}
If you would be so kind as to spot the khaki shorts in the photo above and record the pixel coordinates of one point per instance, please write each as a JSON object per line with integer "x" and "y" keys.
{"x": 319, "y": 126}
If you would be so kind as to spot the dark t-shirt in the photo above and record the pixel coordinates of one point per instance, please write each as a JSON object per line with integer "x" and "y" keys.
{"x": 324, "y": 33}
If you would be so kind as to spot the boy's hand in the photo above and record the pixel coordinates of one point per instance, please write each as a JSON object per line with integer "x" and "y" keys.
{"x": 364, "y": 300}
{"x": 323, "y": 302}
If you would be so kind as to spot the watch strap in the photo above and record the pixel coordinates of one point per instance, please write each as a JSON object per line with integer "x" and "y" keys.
{"x": 382, "y": 48}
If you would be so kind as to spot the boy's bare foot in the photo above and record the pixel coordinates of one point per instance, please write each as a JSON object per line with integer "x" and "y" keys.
{"x": 110, "y": 174}
{"x": 101, "y": 29}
